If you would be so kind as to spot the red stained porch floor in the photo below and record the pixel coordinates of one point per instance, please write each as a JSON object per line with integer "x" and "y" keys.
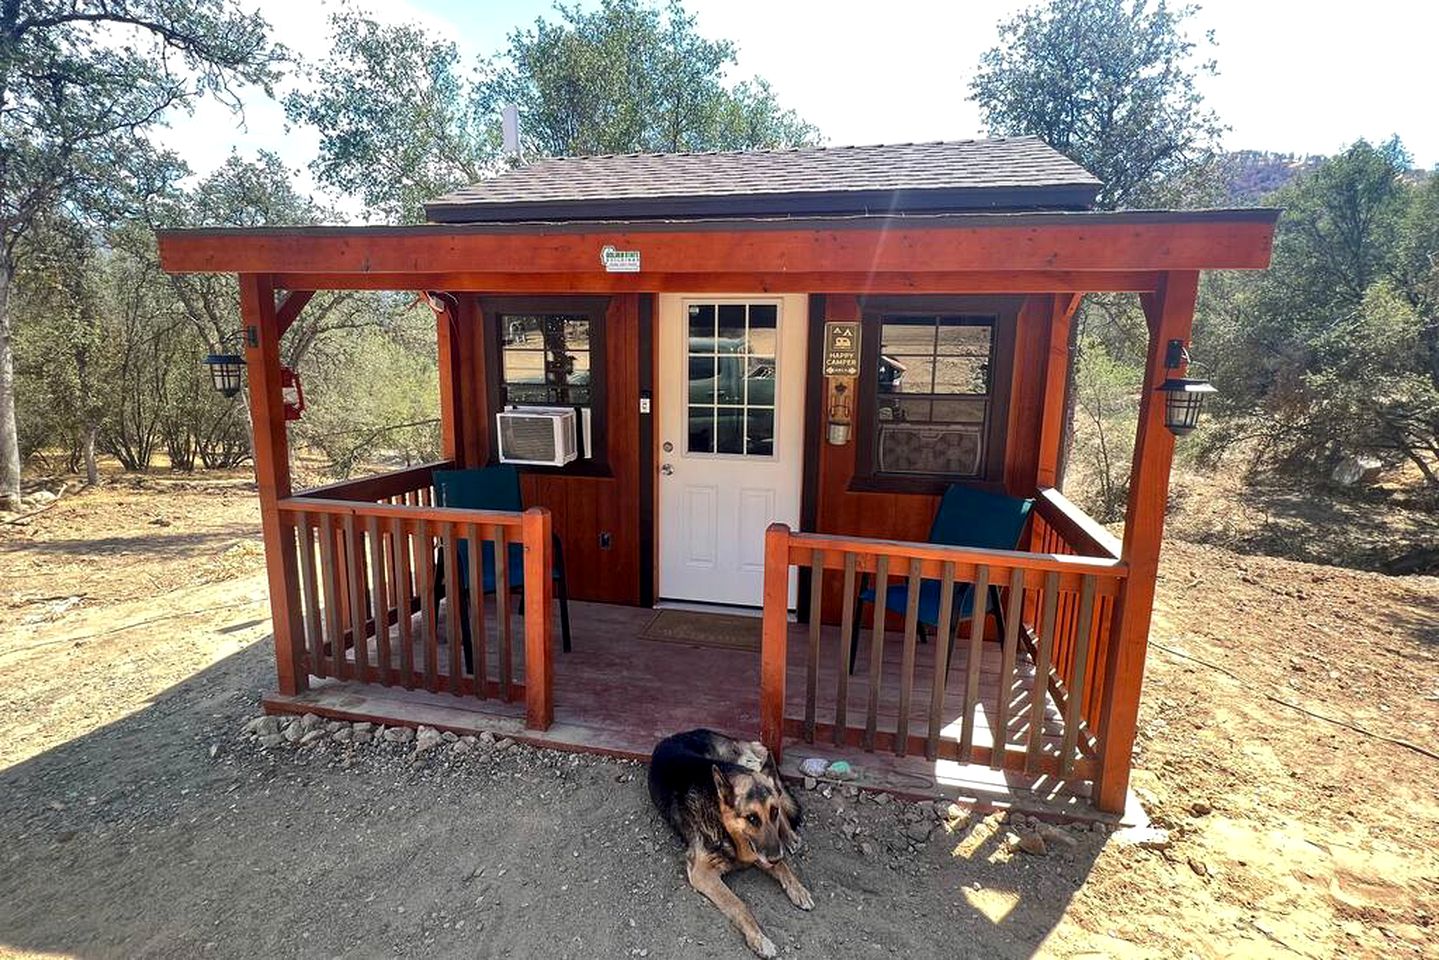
{"x": 618, "y": 694}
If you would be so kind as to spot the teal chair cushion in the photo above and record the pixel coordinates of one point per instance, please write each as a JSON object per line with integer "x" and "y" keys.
{"x": 966, "y": 518}
{"x": 485, "y": 488}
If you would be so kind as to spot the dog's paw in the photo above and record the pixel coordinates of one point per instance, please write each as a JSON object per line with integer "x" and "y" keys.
{"x": 801, "y": 897}
{"x": 762, "y": 946}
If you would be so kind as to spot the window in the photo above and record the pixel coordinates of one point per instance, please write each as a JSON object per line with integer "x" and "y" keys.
{"x": 549, "y": 352}
{"x": 545, "y": 359}
{"x": 731, "y": 379}
{"x": 933, "y": 393}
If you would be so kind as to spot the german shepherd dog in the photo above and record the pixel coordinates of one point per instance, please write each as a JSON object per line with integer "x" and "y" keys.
{"x": 725, "y": 799}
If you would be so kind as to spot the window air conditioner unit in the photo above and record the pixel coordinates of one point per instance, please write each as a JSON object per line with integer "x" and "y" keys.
{"x": 539, "y": 436}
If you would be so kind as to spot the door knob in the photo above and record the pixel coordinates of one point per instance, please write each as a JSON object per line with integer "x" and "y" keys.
{"x": 666, "y": 469}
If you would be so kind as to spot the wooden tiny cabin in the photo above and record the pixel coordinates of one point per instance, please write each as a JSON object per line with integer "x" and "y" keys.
{"x": 778, "y": 362}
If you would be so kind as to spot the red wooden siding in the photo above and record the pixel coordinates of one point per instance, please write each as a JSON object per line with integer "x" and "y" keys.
{"x": 581, "y": 507}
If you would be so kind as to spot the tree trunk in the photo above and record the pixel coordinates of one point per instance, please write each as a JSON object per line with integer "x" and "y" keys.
{"x": 9, "y": 434}
{"x": 87, "y": 450}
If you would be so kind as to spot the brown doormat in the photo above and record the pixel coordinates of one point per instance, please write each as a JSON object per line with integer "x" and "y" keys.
{"x": 704, "y": 629}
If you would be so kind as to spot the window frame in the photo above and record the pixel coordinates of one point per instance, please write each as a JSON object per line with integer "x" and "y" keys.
{"x": 1003, "y": 313}
{"x": 493, "y": 311}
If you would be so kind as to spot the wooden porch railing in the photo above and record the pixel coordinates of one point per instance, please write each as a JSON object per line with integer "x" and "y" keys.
{"x": 370, "y": 553}
{"x": 1055, "y": 605}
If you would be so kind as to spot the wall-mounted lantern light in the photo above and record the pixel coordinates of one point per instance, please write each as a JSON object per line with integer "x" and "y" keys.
{"x": 226, "y": 370}
{"x": 1183, "y": 396}
{"x": 227, "y": 367}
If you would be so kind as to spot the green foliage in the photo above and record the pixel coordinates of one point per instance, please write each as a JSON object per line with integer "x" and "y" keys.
{"x": 401, "y": 121}
{"x": 627, "y": 77}
{"x": 1106, "y": 391}
{"x": 1335, "y": 350}
{"x": 375, "y": 395}
{"x": 82, "y": 82}
{"x": 1112, "y": 85}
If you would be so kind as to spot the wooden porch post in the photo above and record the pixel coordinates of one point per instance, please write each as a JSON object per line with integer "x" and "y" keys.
{"x": 1170, "y": 313}
{"x": 539, "y": 607}
{"x": 448, "y": 350}
{"x": 1057, "y": 359}
{"x": 774, "y": 638}
{"x": 272, "y": 474}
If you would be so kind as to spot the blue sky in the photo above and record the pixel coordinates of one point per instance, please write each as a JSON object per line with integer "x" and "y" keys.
{"x": 1294, "y": 76}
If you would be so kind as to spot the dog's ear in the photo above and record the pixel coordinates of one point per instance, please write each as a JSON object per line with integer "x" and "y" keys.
{"x": 723, "y": 787}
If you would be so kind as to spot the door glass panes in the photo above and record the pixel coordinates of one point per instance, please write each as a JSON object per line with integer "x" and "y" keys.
{"x": 731, "y": 388}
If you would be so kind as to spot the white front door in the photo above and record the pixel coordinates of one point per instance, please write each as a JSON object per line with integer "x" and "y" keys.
{"x": 731, "y": 436}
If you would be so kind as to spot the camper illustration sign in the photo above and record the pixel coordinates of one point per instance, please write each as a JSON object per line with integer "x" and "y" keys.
{"x": 619, "y": 261}
{"x": 841, "y": 348}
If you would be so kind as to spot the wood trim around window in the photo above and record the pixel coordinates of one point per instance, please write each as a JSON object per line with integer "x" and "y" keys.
{"x": 1005, "y": 311}
{"x": 595, "y": 309}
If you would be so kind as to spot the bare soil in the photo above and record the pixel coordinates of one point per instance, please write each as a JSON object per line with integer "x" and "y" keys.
{"x": 136, "y": 820}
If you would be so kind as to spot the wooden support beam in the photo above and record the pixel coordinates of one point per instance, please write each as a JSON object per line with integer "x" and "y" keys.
{"x": 1170, "y": 312}
{"x": 452, "y": 375}
{"x": 774, "y": 638}
{"x": 272, "y": 475}
{"x": 812, "y": 282}
{"x": 1132, "y": 240}
{"x": 287, "y": 310}
{"x": 1056, "y": 394}
{"x": 539, "y": 604}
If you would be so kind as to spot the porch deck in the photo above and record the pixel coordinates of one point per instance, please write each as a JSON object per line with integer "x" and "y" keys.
{"x": 617, "y": 693}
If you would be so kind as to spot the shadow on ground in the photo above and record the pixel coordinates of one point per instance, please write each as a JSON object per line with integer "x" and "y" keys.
{"x": 133, "y": 841}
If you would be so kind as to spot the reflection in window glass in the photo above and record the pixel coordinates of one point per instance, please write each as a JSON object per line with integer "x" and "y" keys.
{"x": 545, "y": 359}
{"x": 731, "y": 369}
{"x": 932, "y": 396}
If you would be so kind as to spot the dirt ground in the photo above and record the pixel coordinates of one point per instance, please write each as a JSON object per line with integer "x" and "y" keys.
{"x": 137, "y": 819}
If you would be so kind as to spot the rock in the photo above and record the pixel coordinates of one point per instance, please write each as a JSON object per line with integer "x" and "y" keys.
{"x": 361, "y": 736}
{"x": 814, "y": 766}
{"x": 840, "y": 770}
{"x": 881, "y": 798}
{"x": 449, "y": 737}
{"x": 1032, "y": 843}
{"x": 461, "y": 747}
{"x": 364, "y": 726}
{"x": 487, "y": 738}
{"x": 1199, "y": 867}
{"x": 293, "y": 733}
{"x": 866, "y": 848}
{"x": 265, "y": 726}
{"x": 810, "y": 783}
{"x": 309, "y": 722}
{"x": 399, "y": 734}
{"x": 1356, "y": 469}
{"x": 849, "y": 829}
{"x": 214, "y": 750}
{"x": 342, "y": 735}
{"x": 469, "y": 740}
{"x": 505, "y": 744}
{"x": 1200, "y": 809}
{"x": 427, "y": 739}
{"x": 313, "y": 736}
{"x": 919, "y": 831}
{"x": 1053, "y": 834}
{"x": 271, "y": 740}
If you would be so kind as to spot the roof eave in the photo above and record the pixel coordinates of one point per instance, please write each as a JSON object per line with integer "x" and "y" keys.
{"x": 1077, "y": 196}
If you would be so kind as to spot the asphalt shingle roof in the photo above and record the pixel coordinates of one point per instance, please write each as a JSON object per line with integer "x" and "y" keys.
{"x": 1011, "y": 173}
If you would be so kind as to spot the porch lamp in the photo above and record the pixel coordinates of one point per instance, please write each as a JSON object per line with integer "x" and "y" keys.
{"x": 1183, "y": 396}
{"x": 227, "y": 368}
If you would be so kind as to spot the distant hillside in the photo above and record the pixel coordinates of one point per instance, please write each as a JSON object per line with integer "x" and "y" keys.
{"x": 1251, "y": 175}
